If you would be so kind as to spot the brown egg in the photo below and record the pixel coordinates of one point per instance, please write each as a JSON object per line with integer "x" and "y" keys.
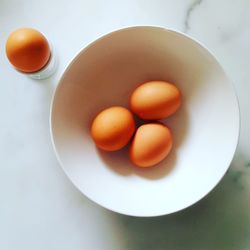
{"x": 112, "y": 128}
{"x": 151, "y": 144}
{"x": 155, "y": 100}
{"x": 27, "y": 50}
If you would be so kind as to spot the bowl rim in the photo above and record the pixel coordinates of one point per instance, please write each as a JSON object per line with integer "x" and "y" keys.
{"x": 98, "y": 39}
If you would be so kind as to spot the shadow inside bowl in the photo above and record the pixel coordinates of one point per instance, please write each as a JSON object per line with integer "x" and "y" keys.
{"x": 120, "y": 163}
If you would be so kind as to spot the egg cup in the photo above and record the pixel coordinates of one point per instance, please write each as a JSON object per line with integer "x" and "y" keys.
{"x": 48, "y": 70}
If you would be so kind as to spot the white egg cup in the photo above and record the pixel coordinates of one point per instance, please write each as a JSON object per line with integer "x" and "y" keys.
{"x": 48, "y": 70}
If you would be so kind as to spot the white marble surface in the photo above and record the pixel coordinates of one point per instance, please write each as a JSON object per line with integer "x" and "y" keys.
{"x": 39, "y": 208}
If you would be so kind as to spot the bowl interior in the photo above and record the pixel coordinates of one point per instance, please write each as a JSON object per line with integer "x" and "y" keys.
{"x": 205, "y": 129}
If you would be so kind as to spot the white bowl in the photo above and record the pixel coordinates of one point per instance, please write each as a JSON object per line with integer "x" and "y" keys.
{"x": 206, "y": 129}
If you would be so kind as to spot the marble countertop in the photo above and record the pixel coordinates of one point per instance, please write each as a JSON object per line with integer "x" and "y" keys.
{"x": 39, "y": 207}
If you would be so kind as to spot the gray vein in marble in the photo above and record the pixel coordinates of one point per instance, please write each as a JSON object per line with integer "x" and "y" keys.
{"x": 189, "y": 12}
{"x": 239, "y": 171}
{"x": 236, "y": 177}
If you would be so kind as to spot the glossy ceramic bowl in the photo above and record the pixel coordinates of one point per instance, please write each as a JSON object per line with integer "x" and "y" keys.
{"x": 205, "y": 129}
